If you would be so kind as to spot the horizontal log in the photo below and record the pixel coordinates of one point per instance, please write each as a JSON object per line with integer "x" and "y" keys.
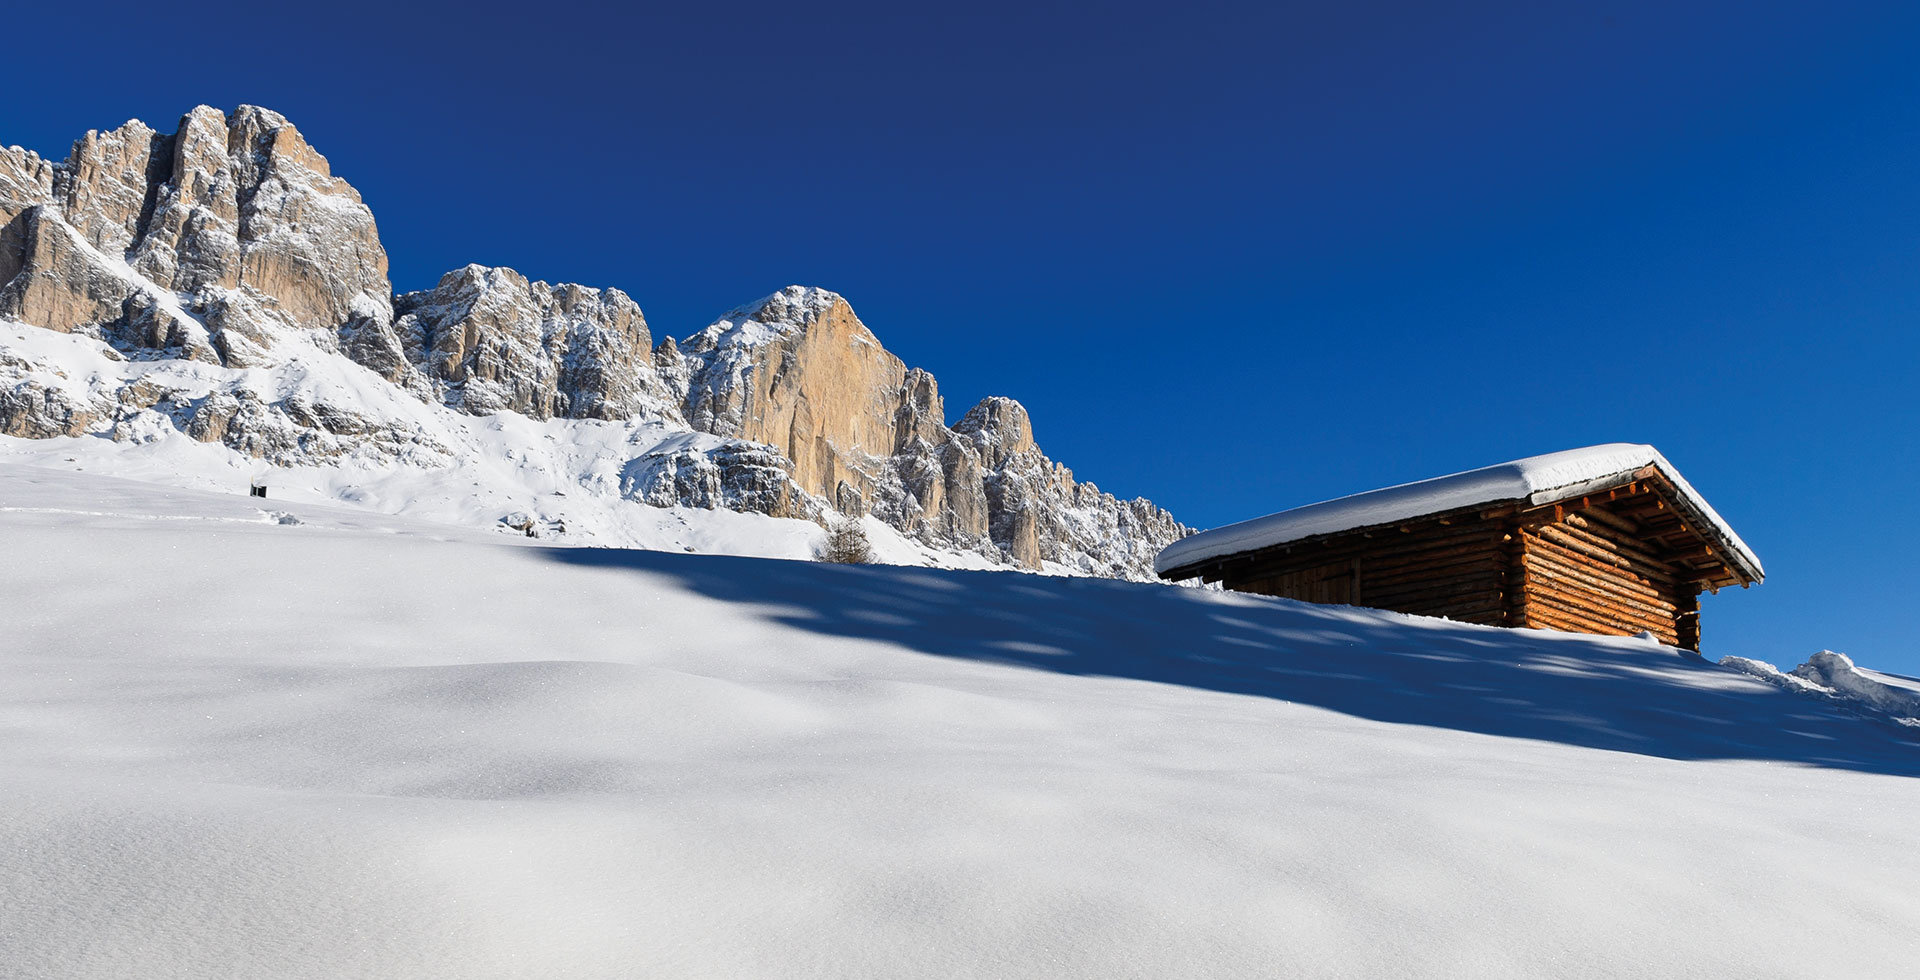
{"x": 1425, "y": 605}
{"x": 1630, "y": 621}
{"x": 1599, "y": 549}
{"x": 1462, "y": 610}
{"x": 1545, "y": 562}
{"x": 1310, "y": 590}
{"x": 1634, "y": 549}
{"x": 1573, "y": 624}
{"x": 1588, "y": 621}
{"x": 1542, "y": 618}
{"x": 1610, "y": 517}
{"x": 1542, "y": 577}
{"x": 1414, "y": 603}
{"x": 1369, "y": 560}
{"x": 1438, "y": 570}
{"x": 1431, "y": 554}
{"x": 1659, "y": 580}
{"x": 1486, "y": 579}
{"x": 1670, "y": 639}
{"x": 1598, "y": 604}
{"x": 1662, "y": 581}
{"x": 1550, "y": 562}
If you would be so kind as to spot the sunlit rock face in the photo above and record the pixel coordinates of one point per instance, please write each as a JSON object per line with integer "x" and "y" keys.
{"x": 488, "y": 340}
{"x": 209, "y": 242}
{"x": 229, "y": 243}
{"x": 799, "y": 371}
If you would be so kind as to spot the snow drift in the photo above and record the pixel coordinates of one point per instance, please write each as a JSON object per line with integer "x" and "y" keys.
{"x": 1834, "y": 678}
{"x": 278, "y": 738}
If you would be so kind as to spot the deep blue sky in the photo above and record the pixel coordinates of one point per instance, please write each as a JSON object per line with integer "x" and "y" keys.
{"x": 1233, "y": 257}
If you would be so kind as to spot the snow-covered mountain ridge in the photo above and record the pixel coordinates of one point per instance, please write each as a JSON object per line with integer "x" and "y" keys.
{"x": 228, "y": 252}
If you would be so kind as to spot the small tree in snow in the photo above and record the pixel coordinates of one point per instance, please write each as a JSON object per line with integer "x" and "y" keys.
{"x": 846, "y": 542}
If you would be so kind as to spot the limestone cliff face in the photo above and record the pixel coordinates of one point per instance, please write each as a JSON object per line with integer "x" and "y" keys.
{"x": 231, "y": 229}
{"x": 64, "y": 283}
{"x": 489, "y": 340}
{"x": 230, "y": 243}
{"x": 1040, "y": 513}
{"x": 798, "y": 371}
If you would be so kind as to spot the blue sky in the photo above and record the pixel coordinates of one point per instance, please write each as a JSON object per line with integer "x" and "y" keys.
{"x": 1233, "y": 257}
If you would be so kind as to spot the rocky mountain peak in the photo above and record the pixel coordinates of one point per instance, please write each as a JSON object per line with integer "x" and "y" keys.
{"x": 229, "y": 241}
{"x": 231, "y": 228}
{"x": 790, "y": 311}
{"x": 999, "y": 428}
{"x": 794, "y": 305}
{"x": 489, "y": 340}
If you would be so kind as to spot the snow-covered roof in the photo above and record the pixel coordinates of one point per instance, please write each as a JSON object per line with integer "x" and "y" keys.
{"x": 1534, "y": 480}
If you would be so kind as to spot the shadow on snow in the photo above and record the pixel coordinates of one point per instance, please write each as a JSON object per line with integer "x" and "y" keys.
{"x": 1623, "y": 695}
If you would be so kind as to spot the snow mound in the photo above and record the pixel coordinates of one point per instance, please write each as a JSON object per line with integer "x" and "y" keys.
{"x": 1835, "y": 679}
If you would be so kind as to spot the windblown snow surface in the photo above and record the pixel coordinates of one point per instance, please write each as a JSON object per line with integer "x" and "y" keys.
{"x": 245, "y": 738}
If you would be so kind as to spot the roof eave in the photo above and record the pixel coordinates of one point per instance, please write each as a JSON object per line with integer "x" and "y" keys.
{"x": 1196, "y": 568}
{"x": 1732, "y": 553}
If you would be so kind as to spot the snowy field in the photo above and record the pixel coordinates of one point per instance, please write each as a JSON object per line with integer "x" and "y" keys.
{"x": 247, "y": 738}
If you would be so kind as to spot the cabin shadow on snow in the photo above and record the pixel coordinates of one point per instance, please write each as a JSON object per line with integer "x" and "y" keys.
{"x": 1603, "y": 693}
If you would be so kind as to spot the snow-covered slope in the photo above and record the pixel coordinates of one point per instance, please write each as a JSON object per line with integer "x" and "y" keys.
{"x": 280, "y": 738}
{"x": 315, "y": 426}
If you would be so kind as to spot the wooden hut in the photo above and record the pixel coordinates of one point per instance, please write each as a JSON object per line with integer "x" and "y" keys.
{"x": 1608, "y": 539}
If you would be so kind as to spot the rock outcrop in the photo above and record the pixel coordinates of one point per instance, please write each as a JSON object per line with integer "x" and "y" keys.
{"x": 488, "y": 340}
{"x": 232, "y": 229}
{"x": 230, "y": 243}
{"x": 800, "y": 372}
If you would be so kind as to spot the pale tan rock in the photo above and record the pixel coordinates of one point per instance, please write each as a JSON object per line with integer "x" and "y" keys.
{"x": 192, "y": 239}
{"x": 104, "y": 183}
{"x": 307, "y": 241}
{"x": 1040, "y": 514}
{"x": 67, "y": 285}
{"x": 26, "y": 181}
{"x": 61, "y": 283}
{"x": 999, "y": 428}
{"x": 1016, "y": 478}
{"x": 231, "y": 238}
{"x": 863, "y": 434}
{"x": 29, "y": 410}
{"x": 800, "y": 372}
{"x": 489, "y": 340}
{"x": 239, "y": 220}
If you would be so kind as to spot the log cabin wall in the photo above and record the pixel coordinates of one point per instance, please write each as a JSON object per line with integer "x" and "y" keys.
{"x": 1455, "y": 567}
{"x": 1592, "y": 570}
{"x": 1619, "y": 560}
